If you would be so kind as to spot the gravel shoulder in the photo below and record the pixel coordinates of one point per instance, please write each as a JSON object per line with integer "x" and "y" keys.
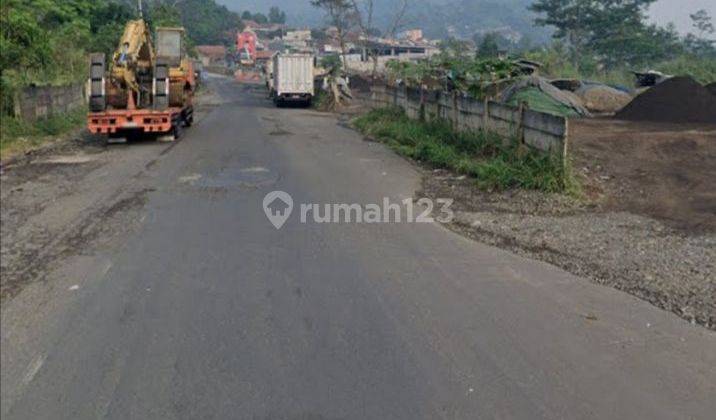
{"x": 642, "y": 256}
{"x": 645, "y": 225}
{"x": 72, "y": 196}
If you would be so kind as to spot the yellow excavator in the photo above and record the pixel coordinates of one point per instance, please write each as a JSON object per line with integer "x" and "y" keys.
{"x": 146, "y": 89}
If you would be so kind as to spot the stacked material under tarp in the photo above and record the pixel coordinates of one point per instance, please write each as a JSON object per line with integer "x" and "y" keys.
{"x": 602, "y": 99}
{"x": 542, "y": 96}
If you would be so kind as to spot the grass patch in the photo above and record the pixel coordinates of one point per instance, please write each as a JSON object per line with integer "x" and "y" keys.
{"x": 18, "y": 136}
{"x": 494, "y": 162}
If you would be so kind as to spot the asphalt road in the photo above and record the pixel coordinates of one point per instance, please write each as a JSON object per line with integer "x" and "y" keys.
{"x": 201, "y": 309}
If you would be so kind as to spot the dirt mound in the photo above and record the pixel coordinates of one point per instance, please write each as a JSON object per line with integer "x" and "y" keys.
{"x": 712, "y": 88}
{"x": 602, "y": 99}
{"x": 679, "y": 100}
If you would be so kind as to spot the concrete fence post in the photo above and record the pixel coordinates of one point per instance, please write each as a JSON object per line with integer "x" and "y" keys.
{"x": 521, "y": 118}
{"x": 565, "y": 144}
{"x": 421, "y": 110}
{"x": 486, "y": 115}
{"x": 455, "y": 111}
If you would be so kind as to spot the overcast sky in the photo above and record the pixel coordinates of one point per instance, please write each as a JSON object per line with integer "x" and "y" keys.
{"x": 678, "y": 11}
{"x": 663, "y": 11}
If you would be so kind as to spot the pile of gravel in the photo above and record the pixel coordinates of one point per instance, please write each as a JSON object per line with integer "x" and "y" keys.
{"x": 679, "y": 100}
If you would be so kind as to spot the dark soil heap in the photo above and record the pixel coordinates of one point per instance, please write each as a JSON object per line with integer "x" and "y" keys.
{"x": 680, "y": 100}
{"x": 712, "y": 88}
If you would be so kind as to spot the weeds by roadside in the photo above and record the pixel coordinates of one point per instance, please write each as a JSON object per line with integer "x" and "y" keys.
{"x": 18, "y": 136}
{"x": 487, "y": 157}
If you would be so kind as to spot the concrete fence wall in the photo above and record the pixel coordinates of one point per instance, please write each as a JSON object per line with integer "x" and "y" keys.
{"x": 541, "y": 131}
{"x": 32, "y": 103}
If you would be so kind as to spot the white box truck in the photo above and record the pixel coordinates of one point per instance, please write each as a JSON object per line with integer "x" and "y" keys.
{"x": 292, "y": 78}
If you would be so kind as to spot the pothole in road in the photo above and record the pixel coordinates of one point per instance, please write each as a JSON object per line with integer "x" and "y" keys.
{"x": 65, "y": 160}
{"x": 280, "y": 132}
{"x": 248, "y": 177}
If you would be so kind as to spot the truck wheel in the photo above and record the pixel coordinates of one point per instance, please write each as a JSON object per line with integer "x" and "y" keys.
{"x": 97, "y": 102}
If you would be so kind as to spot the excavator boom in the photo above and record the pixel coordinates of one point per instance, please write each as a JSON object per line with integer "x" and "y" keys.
{"x": 134, "y": 55}
{"x": 146, "y": 89}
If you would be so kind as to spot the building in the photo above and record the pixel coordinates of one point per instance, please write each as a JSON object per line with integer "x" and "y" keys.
{"x": 265, "y": 30}
{"x": 211, "y": 55}
{"x": 302, "y": 35}
{"x": 246, "y": 44}
{"x": 299, "y": 40}
{"x": 414, "y": 35}
{"x": 263, "y": 56}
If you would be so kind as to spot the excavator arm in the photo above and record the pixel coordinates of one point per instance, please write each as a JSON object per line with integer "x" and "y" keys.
{"x": 131, "y": 66}
{"x": 134, "y": 55}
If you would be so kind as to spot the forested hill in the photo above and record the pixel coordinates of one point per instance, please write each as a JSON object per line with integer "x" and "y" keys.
{"x": 47, "y": 41}
{"x": 465, "y": 18}
{"x": 438, "y": 18}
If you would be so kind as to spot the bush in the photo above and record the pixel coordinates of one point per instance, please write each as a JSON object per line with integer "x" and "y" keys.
{"x": 494, "y": 162}
{"x": 18, "y": 135}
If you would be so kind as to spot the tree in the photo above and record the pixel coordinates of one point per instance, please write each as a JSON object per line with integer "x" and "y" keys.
{"x": 246, "y": 15}
{"x": 260, "y": 18}
{"x": 698, "y": 44}
{"x": 107, "y": 24}
{"x": 569, "y": 17}
{"x": 276, "y": 15}
{"x": 162, "y": 14}
{"x": 616, "y": 32}
{"x": 340, "y": 14}
{"x": 364, "y": 15}
{"x": 489, "y": 47}
{"x": 702, "y": 21}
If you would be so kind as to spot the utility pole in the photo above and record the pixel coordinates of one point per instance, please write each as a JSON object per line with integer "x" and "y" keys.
{"x": 139, "y": 6}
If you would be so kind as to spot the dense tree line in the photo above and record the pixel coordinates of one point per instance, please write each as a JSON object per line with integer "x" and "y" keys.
{"x": 47, "y": 41}
{"x": 275, "y": 15}
{"x": 614, "y": 33}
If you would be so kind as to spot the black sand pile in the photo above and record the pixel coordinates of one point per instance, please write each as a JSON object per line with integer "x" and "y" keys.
{"x": 712, "y": 88}
{"x": 678, "y": 100}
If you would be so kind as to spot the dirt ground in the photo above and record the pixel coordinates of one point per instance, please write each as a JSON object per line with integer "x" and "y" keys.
{"x": 646, "y": 224}
{"x": 664, "y": 171}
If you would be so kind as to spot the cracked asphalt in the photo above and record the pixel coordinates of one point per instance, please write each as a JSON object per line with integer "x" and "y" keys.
{"x": 149, "y": 284}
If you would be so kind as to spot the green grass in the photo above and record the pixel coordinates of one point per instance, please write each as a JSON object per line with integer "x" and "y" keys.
{"x": 17, "y": 136}
{"x": 494, "y": 162}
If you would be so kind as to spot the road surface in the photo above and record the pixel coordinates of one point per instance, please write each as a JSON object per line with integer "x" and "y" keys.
{"x": 200, "y": 309}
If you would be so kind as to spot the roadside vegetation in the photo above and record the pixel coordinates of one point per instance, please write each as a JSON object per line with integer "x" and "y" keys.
{"x": 600, "y": 41}
{"x": 46, "y": 43}
{"x": 494, "y": 162}
{"x": 17, "y": 136}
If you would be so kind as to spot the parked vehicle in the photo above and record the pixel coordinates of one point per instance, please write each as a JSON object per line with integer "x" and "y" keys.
{"x": 293, "y": 78}
{"x": 145, "y": 89}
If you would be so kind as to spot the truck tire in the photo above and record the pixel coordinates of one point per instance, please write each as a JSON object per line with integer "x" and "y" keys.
{"x": 98, "y": 101}
{"x": 97, "y": 104}
{"x": 161, "y": 85}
